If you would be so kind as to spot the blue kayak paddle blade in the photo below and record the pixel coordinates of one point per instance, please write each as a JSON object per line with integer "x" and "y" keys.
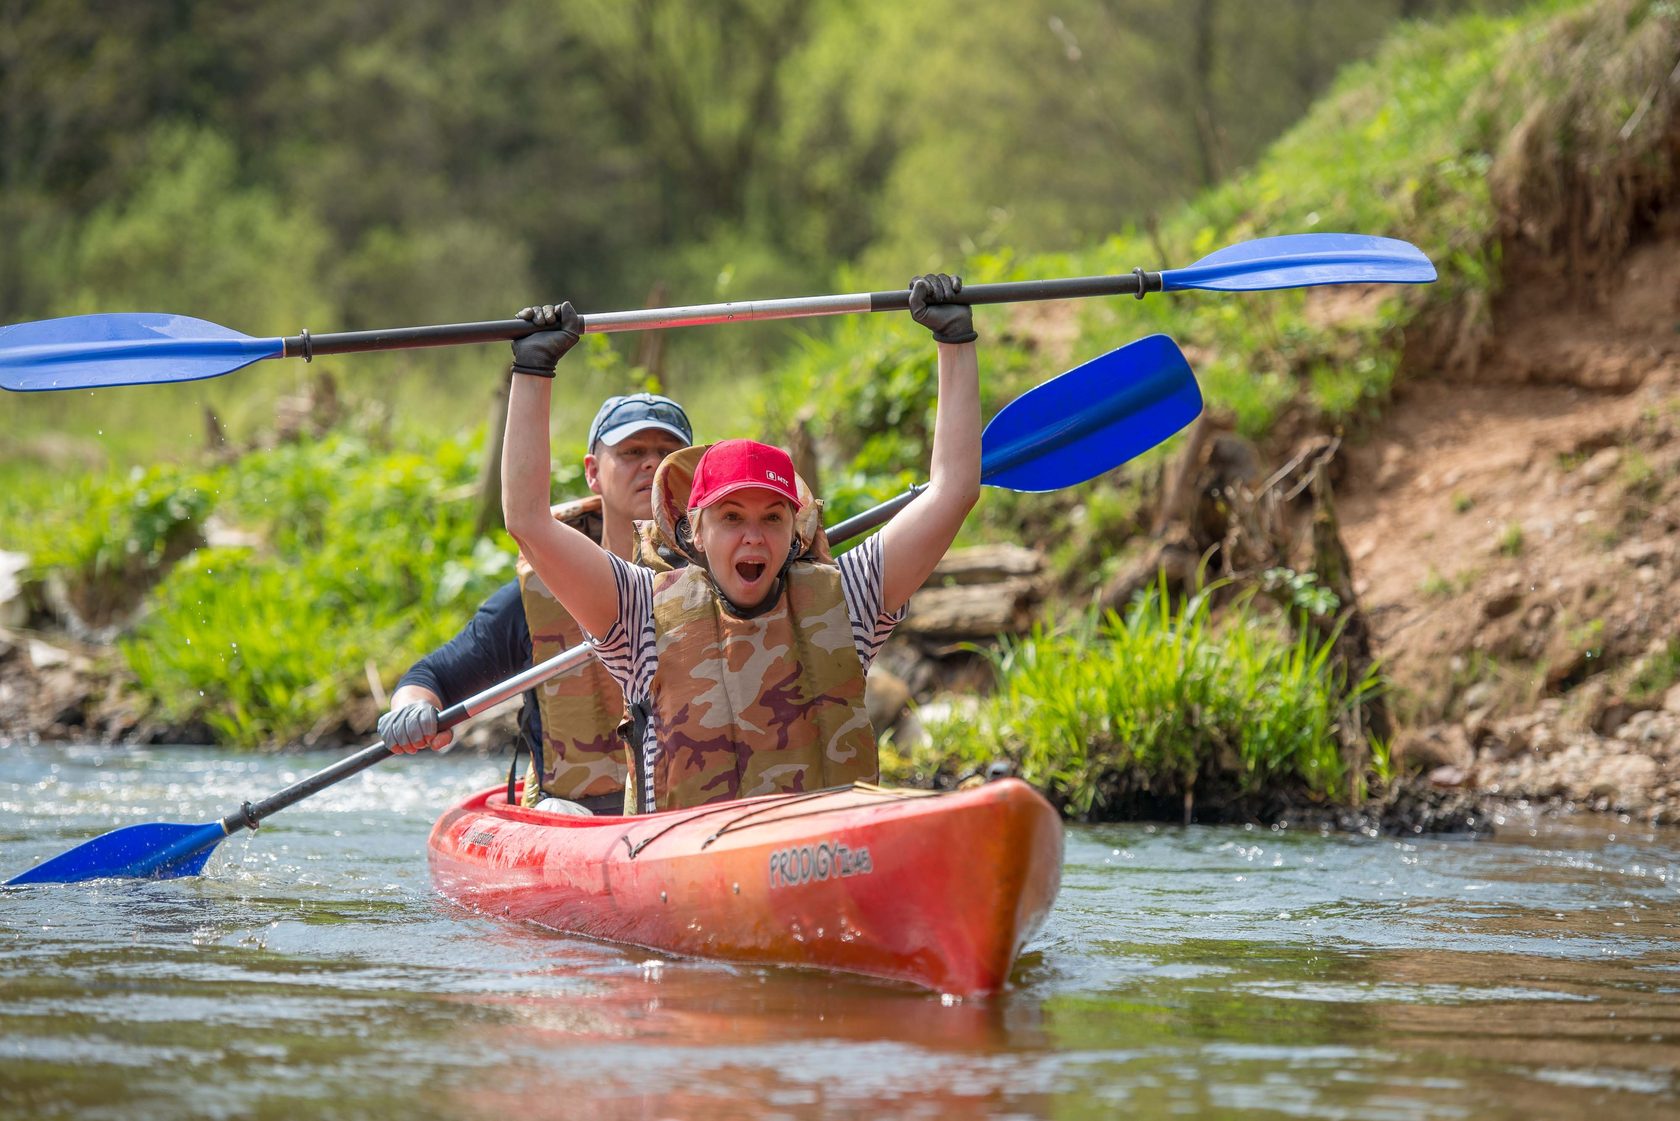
{"x": 157, "y": 850}
{"x": 1092, "y": 418}
{"x": 127, "y": 348}
{"x": 1302, "y": 261}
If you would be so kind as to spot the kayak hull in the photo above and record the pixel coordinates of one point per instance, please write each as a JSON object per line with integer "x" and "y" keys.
{"x": 938, "y": 889}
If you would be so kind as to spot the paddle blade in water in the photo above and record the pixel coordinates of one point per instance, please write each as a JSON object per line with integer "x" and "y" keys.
{"x": 1303, "y": 260}
{"x": 139, "y": 348}
{"x": 1091, "y": 419}
{"x": 158, "y": 850}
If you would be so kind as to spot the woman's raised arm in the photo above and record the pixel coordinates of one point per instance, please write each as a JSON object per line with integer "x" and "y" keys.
{"x": 914, "y": 541}
{"x": 572, "y": 566}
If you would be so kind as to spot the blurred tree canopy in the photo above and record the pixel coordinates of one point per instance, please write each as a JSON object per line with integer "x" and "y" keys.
{"x": 406, "y": 161}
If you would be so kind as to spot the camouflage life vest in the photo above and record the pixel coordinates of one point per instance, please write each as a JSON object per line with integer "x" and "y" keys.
{"x": 581, "y": 754}
{"x": 741, "y": 707}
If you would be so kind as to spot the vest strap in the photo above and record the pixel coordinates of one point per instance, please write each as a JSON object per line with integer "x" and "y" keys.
{"x": 513, "y": 765}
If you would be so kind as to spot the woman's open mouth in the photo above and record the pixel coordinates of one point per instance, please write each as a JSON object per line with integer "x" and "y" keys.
{"x": 750, "y": 571}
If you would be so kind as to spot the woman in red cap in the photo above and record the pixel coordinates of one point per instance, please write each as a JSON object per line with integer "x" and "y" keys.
{"x": 744, "y": 670}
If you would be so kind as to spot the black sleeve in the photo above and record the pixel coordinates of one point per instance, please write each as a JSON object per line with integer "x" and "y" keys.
{"x": 493, "y": 646}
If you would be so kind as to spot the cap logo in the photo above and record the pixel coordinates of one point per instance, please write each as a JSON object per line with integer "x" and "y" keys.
{"x": 775, "y": 478}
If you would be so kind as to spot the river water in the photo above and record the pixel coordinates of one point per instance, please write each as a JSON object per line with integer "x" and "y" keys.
{"x": 1202, "y": 973}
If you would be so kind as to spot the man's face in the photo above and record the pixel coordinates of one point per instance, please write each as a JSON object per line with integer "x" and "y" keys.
{"x": 623, "y": 473}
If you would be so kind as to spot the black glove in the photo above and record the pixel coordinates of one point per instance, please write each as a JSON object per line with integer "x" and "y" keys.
{"x": 409, "y": 728}
{"x": 931, "y": 306}
{"x": 538, "y": 353}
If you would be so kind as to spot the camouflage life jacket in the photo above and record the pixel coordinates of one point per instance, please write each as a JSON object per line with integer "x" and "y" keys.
{"x": 747, "y": 706}
{"x": 581, "y": 754}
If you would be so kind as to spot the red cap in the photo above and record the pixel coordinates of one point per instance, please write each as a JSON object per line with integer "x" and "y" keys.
{"x": 732, "y": 465}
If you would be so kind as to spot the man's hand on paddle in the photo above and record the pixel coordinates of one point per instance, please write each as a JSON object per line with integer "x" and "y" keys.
{"x": 412, "y": 724}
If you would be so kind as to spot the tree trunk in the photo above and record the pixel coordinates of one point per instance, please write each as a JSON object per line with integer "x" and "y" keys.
{"x": 802, "y": 448}
{"x": 1202, "y": 69}
{"x": 490, "y": 477}
{"x": 650, "y": 348}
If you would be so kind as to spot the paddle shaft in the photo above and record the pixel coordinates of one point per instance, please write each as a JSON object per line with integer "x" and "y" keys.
{"x": 799, "y": 307}
{"x": 249, "y": 815}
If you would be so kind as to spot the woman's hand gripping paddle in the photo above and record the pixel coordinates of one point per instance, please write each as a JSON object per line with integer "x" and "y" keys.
{"x": 1070, "y": 429}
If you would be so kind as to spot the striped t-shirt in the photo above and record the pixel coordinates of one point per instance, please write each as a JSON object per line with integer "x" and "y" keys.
{"x": 630, "y": 653}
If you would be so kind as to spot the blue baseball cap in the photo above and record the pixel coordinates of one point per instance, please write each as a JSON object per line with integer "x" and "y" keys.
{"x": 623, "y": 416}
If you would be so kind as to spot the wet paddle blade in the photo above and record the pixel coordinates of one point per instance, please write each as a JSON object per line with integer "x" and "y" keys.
{"x": 140, "y": 348}
{"x": 1303, "y": 260}
{"x": 1092, "y": 418}
{"x": 158, "y": 850}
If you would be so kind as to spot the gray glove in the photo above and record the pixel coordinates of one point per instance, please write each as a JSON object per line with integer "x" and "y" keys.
{"x": 931, "y": 306}
{"x": 407, "y": 729}
{"x": 540, "y": 352}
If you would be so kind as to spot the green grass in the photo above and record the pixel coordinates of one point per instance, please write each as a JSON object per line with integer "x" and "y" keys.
{"x": 1658, "y": 672}
{"x": 1159, "y": 699}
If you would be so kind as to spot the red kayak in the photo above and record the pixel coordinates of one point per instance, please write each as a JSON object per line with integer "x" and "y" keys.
{"x": 939, "y": 889}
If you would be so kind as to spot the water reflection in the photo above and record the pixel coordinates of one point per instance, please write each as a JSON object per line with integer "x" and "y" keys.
{"x": 1201, "y": 973}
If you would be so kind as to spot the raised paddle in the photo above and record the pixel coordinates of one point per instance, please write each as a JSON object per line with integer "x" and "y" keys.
{"x": 1072, "y": 428}
{"x": 151, "y": 348}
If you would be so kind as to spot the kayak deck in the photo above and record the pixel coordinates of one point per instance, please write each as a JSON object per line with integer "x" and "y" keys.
{"x": 938, "y": 889}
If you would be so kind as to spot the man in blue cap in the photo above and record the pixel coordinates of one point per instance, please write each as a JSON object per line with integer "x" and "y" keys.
{"x": 570, "y": 722}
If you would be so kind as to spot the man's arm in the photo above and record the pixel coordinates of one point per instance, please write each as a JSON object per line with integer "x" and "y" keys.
{"x": 493, "y": 646}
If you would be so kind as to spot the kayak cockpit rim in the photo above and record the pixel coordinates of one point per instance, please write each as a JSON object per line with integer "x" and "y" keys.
{"x": 635, "y": 848}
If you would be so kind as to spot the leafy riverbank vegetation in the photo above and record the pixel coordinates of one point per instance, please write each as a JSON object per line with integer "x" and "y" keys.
{"x": 274, "y": 584}
{"x": 283, "y": 580}
{"x": 1117, "y": 715}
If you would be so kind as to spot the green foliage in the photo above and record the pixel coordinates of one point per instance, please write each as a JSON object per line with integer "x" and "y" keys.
{"x": 1434, "y": 585}
{"x": 870, "y": 388}
{"x": 112, "y": 528}
{"x": 1511, "y": 540}
{"x": 1300, "y": 592}
{"x": 366, "y": 556}
{"x": 1159, "y": 700}
{"x": 1657, "y": 673}
{"x": 193, "y": 237}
